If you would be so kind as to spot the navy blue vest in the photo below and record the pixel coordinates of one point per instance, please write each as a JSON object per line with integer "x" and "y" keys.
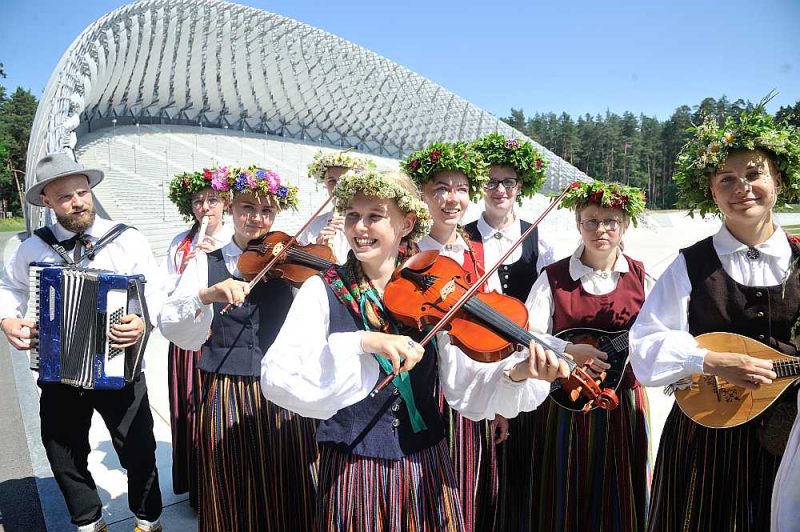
{"x": 240, "y": 338}
{"x": 517, "y": 278}
{"x": 379, "y": 427}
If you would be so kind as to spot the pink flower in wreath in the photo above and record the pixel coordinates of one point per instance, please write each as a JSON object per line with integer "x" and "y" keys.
{"x": 219, "y": 181}
{"x": 575, "y": 186}
{"x": 435, "y": 156}
{"x": 273, "y": 181}
{"x": 539, "y": 164}
{"x": 512, "y": 144}
{"x": 250, "y": 179}
{"x": 414, "y": 164}
{"x": 207, "y": 175}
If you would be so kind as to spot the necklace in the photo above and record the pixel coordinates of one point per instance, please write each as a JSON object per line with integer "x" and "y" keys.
{"x": 752, "y": 253}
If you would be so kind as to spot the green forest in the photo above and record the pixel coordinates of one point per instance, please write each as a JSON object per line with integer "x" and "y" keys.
{"x": 629, "y": 148}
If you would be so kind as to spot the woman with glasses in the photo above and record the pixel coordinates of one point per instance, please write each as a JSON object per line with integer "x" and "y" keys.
{"x": 742, "y": 280}
{"x": 257, "y": 462}
{"x": 516, "y": 171}
{"x": 196, "y": 200}
{"x": 590, "y": 470}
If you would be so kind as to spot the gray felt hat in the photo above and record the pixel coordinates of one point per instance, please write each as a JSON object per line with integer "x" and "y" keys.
{"x": 55, "y": 166}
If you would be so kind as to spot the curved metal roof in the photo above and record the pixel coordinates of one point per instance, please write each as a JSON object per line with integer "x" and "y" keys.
{"x": 227, "y": 65}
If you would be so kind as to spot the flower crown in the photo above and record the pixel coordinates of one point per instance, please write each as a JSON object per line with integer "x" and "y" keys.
{"x": 322, "y": 161}
{"x": 630, "y": 200}
{"x": 382, "y": 185}
{"x": 261, "y": 182}
{"x": 707, "y": 151}
{"x": 522, "y": 156}
{"x": 183, "y": 187}
{"x": 442, "y": 156}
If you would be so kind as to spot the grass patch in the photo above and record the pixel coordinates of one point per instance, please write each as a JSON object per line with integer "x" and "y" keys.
{"x": 793, "y": 229}
{"x": 12, "y": 224}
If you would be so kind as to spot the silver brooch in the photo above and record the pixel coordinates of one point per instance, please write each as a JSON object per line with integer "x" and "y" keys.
{"x": 498, "y": 235}
{"x": 752, "y": 253}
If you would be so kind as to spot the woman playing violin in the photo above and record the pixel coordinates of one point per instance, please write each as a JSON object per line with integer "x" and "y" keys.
{"x": 384, "y": 462}
{"x": 740, "y": 280}
{"x": 590, "y": 469}
{"x": 196, "y": 200}
{"x": 256, "y": 460}
{"x": 450, "y": 175}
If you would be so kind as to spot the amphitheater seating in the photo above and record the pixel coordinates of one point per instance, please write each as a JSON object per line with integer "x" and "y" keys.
{"x": 139, "y": 161}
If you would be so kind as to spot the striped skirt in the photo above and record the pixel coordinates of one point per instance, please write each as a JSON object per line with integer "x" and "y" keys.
{"x": 515, "y": 472}
{"x": 591, "y": 471}
{"x": 473, "y": 452}
{"x": 183, "y": 380}
{"x": 416, "y": 493}
{"x": 258, "y": 462}
{"x": 712, "y": 479}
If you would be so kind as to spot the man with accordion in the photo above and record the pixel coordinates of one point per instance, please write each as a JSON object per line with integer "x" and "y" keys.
{"x": 81, "y": 282}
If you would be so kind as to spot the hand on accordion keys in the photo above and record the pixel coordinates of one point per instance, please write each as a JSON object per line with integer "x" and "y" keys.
{"x": 21, "y": 333}
{"x": 127, "y": 332}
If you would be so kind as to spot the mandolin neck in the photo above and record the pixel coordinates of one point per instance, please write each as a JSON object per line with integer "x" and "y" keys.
{"x": 786, "y": 368}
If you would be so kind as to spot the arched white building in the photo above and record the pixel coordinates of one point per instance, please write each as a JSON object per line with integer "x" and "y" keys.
{"x": 218, "y": 64}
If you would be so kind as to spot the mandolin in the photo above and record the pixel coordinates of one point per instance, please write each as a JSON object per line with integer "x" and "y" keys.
{"x": 712, "y": 402}
{"x": 614, "y": 344}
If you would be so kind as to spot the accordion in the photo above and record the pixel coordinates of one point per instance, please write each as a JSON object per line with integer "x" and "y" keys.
{"x": 74, "y": 309}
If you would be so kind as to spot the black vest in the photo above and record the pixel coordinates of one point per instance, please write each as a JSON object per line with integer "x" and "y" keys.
{"x": 379, "y": 427}
{"x": 718, "y": 303}
{"x": 517, "y": 278}
{"x": 240, "y": 338}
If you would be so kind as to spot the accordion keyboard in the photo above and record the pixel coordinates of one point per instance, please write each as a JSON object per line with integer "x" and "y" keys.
{"x": 32, "y": 312}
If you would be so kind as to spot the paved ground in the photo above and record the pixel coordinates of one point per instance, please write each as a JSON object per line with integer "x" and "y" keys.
{"x": 29, "y": 498}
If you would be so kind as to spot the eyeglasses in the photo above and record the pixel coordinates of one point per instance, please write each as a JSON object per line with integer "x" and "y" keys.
{"x": 610, "y": 224}
{"x": 508, "y": 184}
{"x": 212, "y": 202}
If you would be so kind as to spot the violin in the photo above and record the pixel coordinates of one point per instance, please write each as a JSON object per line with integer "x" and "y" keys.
{"x": 488, "y": 327}
{"x": 294, "y": 265}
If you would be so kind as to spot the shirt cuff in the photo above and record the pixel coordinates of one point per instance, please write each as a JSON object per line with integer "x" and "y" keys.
{"x": 694, "y": 362}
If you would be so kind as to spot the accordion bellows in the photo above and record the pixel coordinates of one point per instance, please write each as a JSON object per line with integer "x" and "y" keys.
{"x": 76, "y": 308}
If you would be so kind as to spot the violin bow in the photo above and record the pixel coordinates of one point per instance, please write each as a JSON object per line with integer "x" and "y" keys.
{"x": 281, "y": 252}
{"x": 476, "y": 286}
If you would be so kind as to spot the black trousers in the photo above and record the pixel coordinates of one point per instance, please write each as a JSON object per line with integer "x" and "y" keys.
{"x": 66, "y": 414}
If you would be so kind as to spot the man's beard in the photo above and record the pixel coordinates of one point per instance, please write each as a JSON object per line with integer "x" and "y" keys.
{"x": 77, "y": 224}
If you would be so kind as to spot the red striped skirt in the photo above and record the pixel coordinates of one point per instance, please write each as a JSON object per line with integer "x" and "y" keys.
{"x": 590, "y": 471}
{"x": 258, "y": 462}
{"x": 183, "y": 380}
{"x": 416, "y": 493}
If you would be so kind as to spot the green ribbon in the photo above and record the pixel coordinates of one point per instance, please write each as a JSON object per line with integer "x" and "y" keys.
{"x": 402, "y": 381}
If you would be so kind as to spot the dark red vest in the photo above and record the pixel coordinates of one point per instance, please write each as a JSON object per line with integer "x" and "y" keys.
{"x": 575, "y": 307}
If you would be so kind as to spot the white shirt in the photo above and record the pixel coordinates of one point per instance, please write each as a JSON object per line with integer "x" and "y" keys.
{"x": 540, "y": 300}
{"x": 172, "y": 262}
{"x": 184, "y": 320}
{"x": 340, "y": 245}
{"x": 129, "y": 253}
{"x": 314, "y": 373}
{"x": 662, "y": 350}
{"x": 785, "y": 514}
{"x": 494, "y": 248}
{"x": 454, "y": 251}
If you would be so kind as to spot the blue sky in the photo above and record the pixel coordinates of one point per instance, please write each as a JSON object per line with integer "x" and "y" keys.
{"x": 578, "y": 56}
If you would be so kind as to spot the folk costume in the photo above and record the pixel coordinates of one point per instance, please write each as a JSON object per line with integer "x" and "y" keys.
{"x": 256, "y": 460}
{"x": 471, "y": 442}
{"x": 183, "y": 374}
{"x": 515, "y": 278}
{"x": 384, "y": 461}
{"x": 66, "y": 411}
{"x": 590, "y": 470}
{"x": 721, "y": 479}
{"x": 317, "y": 170}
